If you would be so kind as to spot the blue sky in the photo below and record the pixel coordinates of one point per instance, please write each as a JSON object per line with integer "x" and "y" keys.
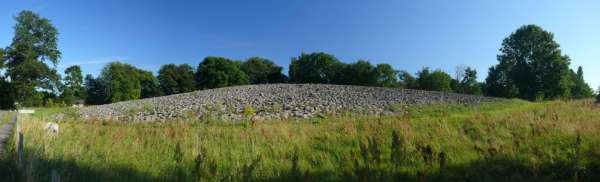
{"x": 407, "y": 34}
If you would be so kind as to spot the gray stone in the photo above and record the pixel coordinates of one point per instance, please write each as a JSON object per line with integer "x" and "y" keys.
{"x": 274, "y": 101}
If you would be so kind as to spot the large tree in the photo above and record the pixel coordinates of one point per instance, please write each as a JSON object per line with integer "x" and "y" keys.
{"x": 580, "y": 88}
{"x": 149, "y": 83}
{"x": 74, "y": 81}
{"x": 315, "y": 68}
{"x": 261, "y": 71}
{"x": 437, "y": 80}
{"x": 33, "y": 46}
{"x": 531, "y": 66}
{"x": 407, "y": 80}
{"x": 359, "y": 73}
{"x": 6, "y": 99}
{"x": 120, "y": 82}
{"x": 468, "y": 84}
{"x": 95, "y": 91}
{"x": 216, "y": 72}
{"x": 386, "y": 76}
{"x": 176, "y": 79}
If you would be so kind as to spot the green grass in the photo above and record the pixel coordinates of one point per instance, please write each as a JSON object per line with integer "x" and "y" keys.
{"x": 5, "y": 117}
{"x": 7, "y": 164}
{"x": 502, "y": 141}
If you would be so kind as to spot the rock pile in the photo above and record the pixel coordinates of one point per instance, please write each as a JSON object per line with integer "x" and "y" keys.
{"x": 273, "y": 101}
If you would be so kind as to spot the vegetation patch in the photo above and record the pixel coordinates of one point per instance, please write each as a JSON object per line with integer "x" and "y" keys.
{"x": 506, "y": 141}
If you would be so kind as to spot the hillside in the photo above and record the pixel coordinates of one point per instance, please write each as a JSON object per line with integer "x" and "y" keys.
{"x": 274, "y": 101}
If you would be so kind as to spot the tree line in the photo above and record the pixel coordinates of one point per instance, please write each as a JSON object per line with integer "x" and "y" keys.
{"x": 531, "y": 66}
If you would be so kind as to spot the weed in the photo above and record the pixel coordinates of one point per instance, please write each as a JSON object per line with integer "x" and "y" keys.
{"x": 249, "y": 111}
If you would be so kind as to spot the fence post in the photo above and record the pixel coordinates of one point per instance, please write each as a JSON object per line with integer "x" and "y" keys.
{"x": 20, "y": 144}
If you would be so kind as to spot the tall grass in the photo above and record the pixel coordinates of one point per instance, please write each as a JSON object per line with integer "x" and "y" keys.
{"x": 504, "y": 141}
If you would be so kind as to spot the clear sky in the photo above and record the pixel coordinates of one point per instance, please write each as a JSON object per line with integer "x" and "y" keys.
{"x": 407, "y": 34}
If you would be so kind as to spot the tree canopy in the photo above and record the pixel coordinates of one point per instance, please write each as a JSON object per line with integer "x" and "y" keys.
{"x": 437, "y": 80}
{"x": 34, "y": 44}
{"x": 120, "y": 82}
{"x": 407, "y": 80}
{"x": 215, "y": 72}
{"x": 316, "y": 67}
{"x": 74, "y": 81}
{"x": 468, "y": 84}
{"x": 531, "y": 66}
{"x": 360, "y": 72}
{"x": 176, "y": 79}
{"x": 386, "y": 76}
{"x": 95, "y": 90}
{"x": 580, "y": 88}
{"x": 261, "y": 71}
{"x": 149, "y": 83}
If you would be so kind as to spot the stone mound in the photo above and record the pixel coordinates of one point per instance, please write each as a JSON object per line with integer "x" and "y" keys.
{"x": 272, "y": 101}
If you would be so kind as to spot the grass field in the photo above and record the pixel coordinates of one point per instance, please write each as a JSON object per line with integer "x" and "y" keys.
{"x": 503, "y": 141}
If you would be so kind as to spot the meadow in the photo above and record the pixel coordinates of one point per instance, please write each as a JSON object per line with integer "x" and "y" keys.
{"x": 510, "y": 140}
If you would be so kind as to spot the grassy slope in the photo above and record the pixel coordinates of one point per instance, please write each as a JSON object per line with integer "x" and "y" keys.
{"x": 512, "y": 140}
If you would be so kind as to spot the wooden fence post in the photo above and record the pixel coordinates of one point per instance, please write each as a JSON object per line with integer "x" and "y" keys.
{"x": 20, "y": 144}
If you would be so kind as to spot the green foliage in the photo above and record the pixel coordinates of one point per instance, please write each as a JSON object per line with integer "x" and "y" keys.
{"x": 580, "y": 89}
{"x": 150, "y": 84}
{"x": 34, "y": 42}
{"x": 68, "y": 96}
{"x": 6, "y": 97}
{"x": 531, "y": 66}
{"x": 176, "y": 79}
{"x": 74, "y": 81}
{"x": 216, "y": 72}
{"x": 359, "y": 73}
{"x": 325, "y": 68}
{"x": 437, "y": 80}
{"x": 386, "y": 76}
{"x": 31, "y": 77}
{"x": 598, "y": 95}
{"x": 407, "y": 80}
{"x": 95, "y": 90}
{"x": 315, "y": 68}
{"x": 261, "y": 71}
{"x": 248, "y": 110}
{"x": 468, "y": 84}
{"x": 120, "y": 83}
